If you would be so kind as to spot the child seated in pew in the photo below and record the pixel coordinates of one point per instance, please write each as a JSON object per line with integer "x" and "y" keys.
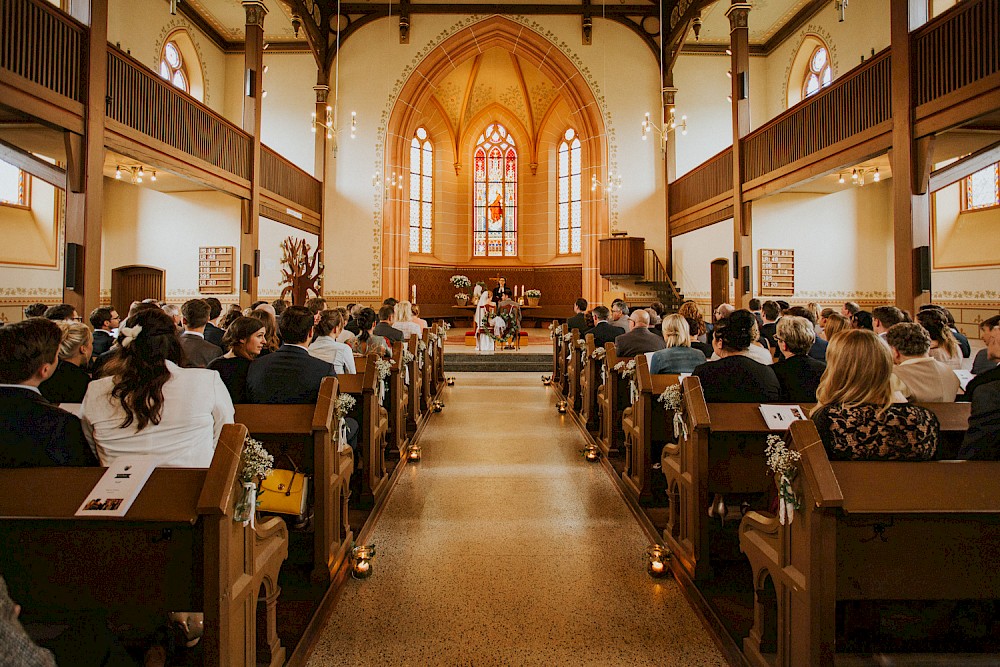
{"x": 33, "y": 432}
{"x": 149, "y": 405}
{"x": 858, "y": 415}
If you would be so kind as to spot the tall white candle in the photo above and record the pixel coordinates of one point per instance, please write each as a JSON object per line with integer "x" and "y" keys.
{"x": 414, "y": 291}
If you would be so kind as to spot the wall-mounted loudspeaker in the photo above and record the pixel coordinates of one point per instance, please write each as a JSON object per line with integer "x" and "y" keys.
{"x": 256, "y": 263}
{"x": 746, "y": 279}
{"x": 923, "y": 260}
{"x": 74, "y": 257}
{"x": 245, "y": 282}
{"x": 736, "y": 265}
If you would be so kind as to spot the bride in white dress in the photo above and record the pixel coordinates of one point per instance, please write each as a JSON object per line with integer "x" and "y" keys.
{"x": 484, "y": 344}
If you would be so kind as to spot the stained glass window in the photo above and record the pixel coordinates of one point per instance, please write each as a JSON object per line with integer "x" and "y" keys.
{"x": 421, "y": 191}
{"x": 569, "y": 193}
{"x": 172, "y": 67}
{"x": 982, "y": 189}
{"x": 13, "y": 185}
{"x": 494, "y": 224}
{"x": 819, "y": 74}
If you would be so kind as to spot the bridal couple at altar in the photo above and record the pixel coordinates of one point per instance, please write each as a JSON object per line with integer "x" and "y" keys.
{"x": 488, "y": 320}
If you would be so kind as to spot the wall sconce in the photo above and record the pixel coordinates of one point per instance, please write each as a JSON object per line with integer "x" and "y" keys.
{"x": 135, "y": 173}
{"x": 361, "y": 561}
{"x": 392, "y": 182}
{"x": 659, "y": 556}
{"x": 591, "y": 453}
{"x": 614, "y": 183}
{"x": 413, "y": 453}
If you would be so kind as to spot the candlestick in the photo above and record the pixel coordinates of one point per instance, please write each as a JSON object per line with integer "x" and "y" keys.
{"x": 413, "y": 290}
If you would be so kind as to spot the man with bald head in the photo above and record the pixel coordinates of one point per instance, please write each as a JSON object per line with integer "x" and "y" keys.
{"x": 639, "y": 340}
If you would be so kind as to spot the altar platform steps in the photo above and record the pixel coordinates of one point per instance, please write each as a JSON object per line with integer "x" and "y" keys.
{"x": 498, "y": 362}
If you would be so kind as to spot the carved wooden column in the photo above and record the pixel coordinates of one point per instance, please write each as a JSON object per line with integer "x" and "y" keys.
{"x": 85, "y": 169}
{"x": 739, "y": 40}
{"x": 254, "y": 77}
{"x": 322, "y": 149}
{"x": 910, "y": 211}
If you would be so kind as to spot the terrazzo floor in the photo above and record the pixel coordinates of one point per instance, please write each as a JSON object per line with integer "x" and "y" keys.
{"x": 504, "y": 547}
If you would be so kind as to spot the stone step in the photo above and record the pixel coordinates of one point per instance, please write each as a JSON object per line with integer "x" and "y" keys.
{"x": 500, "y": 362}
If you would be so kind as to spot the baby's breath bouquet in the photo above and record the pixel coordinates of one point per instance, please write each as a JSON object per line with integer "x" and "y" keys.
{"x": 781, "y": 460}
{"x": 407, "y": 357}
{"x": 626, "y": 368}
{"x": 599, "y": 353}
{"x": 257, "y": 464}
{"x": 384, "y": 368}
{"x": 345, "y": 403}
{"x": 671, "y": 399}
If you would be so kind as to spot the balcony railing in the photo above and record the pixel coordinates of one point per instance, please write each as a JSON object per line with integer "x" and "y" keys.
{"x": 708, "y": 180}
{"x": 43, "y": 45}
{"x": 956, "y": 49}
{"x": 289, "y": 181}
{"x": 141, "y": 100}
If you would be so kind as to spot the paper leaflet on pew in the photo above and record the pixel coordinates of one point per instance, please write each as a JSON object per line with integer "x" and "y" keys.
{"x": 118, "y": 487}
{"x": 780, "y": 417}
{"x": 964, "y": 377}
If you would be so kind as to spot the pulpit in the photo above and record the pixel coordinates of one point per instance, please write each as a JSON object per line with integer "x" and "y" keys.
{"x": 622, "y": 256}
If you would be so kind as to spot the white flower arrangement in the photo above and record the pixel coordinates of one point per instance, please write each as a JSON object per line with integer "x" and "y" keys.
{"x": 407, "y": 357}
{"x": 533, "y": 293}
{"x": 567, "y": 337}
{"x": 384, "y": 367}
{"x": 257, "y": 464}
{"x": 627, "y": 369}
{"x": 599, "y": 353}
{"x": 461, "y": 295}
{"x": 422, "y": 346}
{"x": 460, "y": 282}
{"x": 581, "y": 343}
{"x": 672, "y": 402}
{"x": 345, "y": 403}
{"x": 781, "y": 460}
{"x": 447, "y": 325}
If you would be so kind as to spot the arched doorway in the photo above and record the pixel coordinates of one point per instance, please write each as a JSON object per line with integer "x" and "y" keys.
{"x": 419, "y": 106}
{"x": 720, "y": 282}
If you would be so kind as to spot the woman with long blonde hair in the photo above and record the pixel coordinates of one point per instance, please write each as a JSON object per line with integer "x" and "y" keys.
{"x": 856, "y": 413}
{"x": 835, "y": 323}
{"x": 68, "y": 384}
{"x": 944, "y": 346}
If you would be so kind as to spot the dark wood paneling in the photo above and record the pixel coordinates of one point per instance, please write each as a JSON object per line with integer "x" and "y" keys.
{"x": 956, "y": 49}
{"x": 559, "y": 285}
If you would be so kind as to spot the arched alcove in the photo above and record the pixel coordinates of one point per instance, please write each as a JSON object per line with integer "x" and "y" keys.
{"x": 540, "y": 72}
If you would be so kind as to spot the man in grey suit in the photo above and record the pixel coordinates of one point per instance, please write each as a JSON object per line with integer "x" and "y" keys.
{"x": 619, "y": 315}
{"x": 198, "y": 351}
{"x": 640, "y": 339}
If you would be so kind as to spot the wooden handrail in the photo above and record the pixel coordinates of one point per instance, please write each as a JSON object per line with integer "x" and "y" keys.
{"x": 143, "y": 101}
{"x": 711, "y": 178}
{"x": 44, "y": 45}
{"x": 283, "y": 178}
{"x": 656, "y": 272}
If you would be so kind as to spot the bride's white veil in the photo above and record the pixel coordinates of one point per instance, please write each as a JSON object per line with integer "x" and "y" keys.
{"x": 484, "y": 299}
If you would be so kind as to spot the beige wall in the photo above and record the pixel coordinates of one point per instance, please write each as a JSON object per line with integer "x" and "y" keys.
{"x": 272, "y": 234}
{"x": 965, "y": 249}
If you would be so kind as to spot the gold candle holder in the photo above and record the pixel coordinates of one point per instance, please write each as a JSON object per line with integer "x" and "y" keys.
{"x": 361, "y": 561}
{"x": 413, "y": 453}
{"x": 659, "y": 558}
{"x": 591, "y": 453}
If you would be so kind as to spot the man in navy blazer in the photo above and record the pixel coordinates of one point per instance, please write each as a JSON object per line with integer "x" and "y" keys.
{"x": 33, "y": 432}
{"x": 603, "y": 331}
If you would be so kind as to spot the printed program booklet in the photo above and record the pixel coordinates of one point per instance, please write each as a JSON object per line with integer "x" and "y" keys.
{"x": 780, "y": 417}
{"x": 119, "y": 487}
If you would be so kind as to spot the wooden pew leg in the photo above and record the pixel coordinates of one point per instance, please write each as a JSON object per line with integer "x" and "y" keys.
{"x": 269, "y": 648}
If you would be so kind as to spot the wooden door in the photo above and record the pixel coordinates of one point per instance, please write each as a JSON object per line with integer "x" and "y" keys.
{"x": 135, "y": 283}
{"x": 720, "y": 283}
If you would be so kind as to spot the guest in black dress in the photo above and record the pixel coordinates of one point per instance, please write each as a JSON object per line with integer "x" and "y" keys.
{"x": 856, "y": 415}
{"x": 69, "y": 382}
{"x": 735, "y": 377}
{"x": 798, "y": 373}
{"x": 244, "y": 340}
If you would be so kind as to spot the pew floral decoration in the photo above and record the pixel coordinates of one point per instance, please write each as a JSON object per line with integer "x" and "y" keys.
{"x": 671, "y": 399}
{"x": 556, "y": 330}
{"x": 345, "y": 403}
{"x": 407, "y": 357}
{"x": 257, "y": 464}
{"x": 599, "y": 353}
{"x": 781, "y": 460}
{"x": 627, "y": 370}
{"x": 422, "y": 351}
{"x": 384, "y": 368}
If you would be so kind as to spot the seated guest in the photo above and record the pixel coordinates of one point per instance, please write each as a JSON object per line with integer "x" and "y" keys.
{"x": 835, "y": 324}
{"x": 244, "y": 340}
{"x": 147, "y": 404}
{"x": 603, "y": 331}
{"x": 198, "y": 352}
{"x": 982, "y": 439}
{"x": 345, "y": 336}
{"x": 757, "y": 351}
{"x": 386, "y": 320}
{"x": 824, "y": 315}
{"x": 736, "y": 377}
{"x": 814, "y": 309}
{"x": 619, "y": 315}
{"x": 69, "y": 382}
{"x": 104, "y": 320}
{"x": 33, "y": 432}
{"x": 993, "y": 354}
{"x": 279, "y": 306}
{"x": 513, "y": 308}
{"x": 963, "y": 342}
{"x": 35, "y": 310}
{"x": 770, "y": 311}
{"x": 290, "y": 374}
{"x": 754, "y": 306}
{"x": 352, "y": 323}
{"x": 172, "y": 310}
{"x": 855, "y": 413}
{"x": 62, "y": 311}
{"x": 416, "y": 319}
{"x": 916, "y": 375}
{"x": 655, "y": 321}
{"x": 578, "y": 321}
{"x": 403, "y": 320}
{"x": 797, "y": 372}
{"x": 818, "y": 349}
{"x": 696, "y": 325}
{"x": 944, "y": 347}
{"x": 368, "y": 341}
{"x": 230, "y": 314}
{"x": 316, "y": 305}
{"x": 885, "y": 317}
{"x": 848, "y": 310}
{"x": 325, "y": 345}
{"x": 271, "y": 342}
{"x": 862, "y": 320}
{"x": 213, "y": 333}
{"x": 640, "y": 339}
{"x": 678, "y": 356}
{"x": 987, "y": 328}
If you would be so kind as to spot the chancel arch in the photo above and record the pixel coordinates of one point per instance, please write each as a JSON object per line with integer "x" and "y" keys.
{"x": 496, "y": 71}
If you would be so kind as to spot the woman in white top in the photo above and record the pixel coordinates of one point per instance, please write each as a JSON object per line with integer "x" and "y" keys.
{"x": 148, "y": 405}
{"x": 325, "y": 345}
{"x": 344, "y": 336}
{"x": 404, "y": 320}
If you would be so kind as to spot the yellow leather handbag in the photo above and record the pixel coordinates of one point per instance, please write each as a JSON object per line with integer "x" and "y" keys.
{"x": 284, "y": 492}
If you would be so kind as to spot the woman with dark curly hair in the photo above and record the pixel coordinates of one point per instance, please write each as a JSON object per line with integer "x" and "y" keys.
{"x": 149, "y": 405}
{"x": 735, "y": 377}
{"x": 697, "y": 329}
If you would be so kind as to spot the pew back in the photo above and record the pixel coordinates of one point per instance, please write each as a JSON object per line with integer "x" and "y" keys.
{"x": 645, "y": 424}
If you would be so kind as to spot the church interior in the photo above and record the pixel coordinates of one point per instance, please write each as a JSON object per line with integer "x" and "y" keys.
{"x": 706, "y": 151}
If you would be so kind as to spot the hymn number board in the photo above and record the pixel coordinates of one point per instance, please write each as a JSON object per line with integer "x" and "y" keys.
{"x": 215, "y": 270}
{"x": 777, "y": 272}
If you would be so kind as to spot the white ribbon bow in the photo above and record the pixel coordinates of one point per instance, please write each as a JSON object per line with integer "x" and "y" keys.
{"x": 129, "y": 334}
{"x": 251, "y": 491}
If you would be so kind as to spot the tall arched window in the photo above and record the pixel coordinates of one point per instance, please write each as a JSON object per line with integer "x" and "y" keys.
{"x": 421, "y": 191}
{"x": 173, "y": 68}
{"x": 982, "y": 189}
{"x": 818, "y": 73}
{"x": 569, "y": 193}
{"x": 494, "y": 222}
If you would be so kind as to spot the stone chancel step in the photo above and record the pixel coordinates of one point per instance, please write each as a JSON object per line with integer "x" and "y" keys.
{"x": 499, "y": 362}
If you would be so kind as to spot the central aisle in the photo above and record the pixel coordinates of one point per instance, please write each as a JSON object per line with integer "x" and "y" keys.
{"x": 503, "y": 546}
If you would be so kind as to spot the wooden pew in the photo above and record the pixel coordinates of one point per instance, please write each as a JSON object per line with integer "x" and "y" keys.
{"x": 397, "y": 402}
{"x": 867, "y": 530}
{"x": 309, "y": 435}
{"x": 590, "y": 378}
{"x": 373, "y": 422}
{"x": 557, "y": 379}
{"x": 610, "y": 398}
{"x": 427, "y": 394}
{"x": 574, "y": 363}
{"x": 177, "y": 549}
{"x": 647, "y": 422}
{"x": 414, "y": 390}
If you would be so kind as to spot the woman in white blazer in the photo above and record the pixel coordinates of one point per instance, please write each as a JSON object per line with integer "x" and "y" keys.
{"x": 325, "y": 345}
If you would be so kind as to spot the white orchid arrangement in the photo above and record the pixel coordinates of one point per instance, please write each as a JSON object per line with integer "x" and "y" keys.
{"x": 672, "y": 402}
{"x": 782, "y": 462}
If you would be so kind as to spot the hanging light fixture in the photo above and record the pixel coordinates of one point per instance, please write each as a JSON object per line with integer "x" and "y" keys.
{"x": 860, "y": 175}
{"x": 671, "y": 124}
{"x": 331, "y": 123}
{"x": 614, "y": 181}
{"x": 134, "y": 173}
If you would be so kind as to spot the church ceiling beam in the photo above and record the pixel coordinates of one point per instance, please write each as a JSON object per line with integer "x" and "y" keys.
{"x": 964, "y": 168}
{"x": 315, "y": 24}
{"x": 30, "y": 164}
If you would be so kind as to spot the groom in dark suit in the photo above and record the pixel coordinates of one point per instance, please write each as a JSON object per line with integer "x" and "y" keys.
{"x": 33, "y": 432}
